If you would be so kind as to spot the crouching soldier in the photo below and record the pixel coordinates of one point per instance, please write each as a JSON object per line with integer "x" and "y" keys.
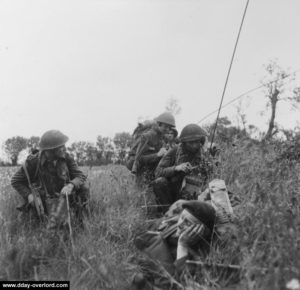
{"x": 184, "y": 167}
{"x": 51, "y": 183}
{"x": 148, "y": 149}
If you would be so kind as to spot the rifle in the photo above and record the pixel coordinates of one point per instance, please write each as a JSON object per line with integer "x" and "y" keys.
{"x": 38, "y": 204}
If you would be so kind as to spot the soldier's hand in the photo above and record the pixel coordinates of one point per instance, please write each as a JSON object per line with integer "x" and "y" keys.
{"x": 67, "y": 189}
{"x": 30, "y": 198}
{"x": 184, "y": 167}
{"x": 162, "y": 152}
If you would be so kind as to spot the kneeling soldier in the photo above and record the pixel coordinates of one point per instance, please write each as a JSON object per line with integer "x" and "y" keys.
{"x": 148, "y": 149}
{"x": 185, "y": 163}
{"x": 50, "y": 181}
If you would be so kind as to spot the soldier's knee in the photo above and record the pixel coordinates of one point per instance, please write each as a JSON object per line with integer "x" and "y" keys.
{"x": 84, "y": 188}
{"x": 84, "y": 192}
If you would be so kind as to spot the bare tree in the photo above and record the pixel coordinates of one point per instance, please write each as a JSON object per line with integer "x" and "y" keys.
{"x": 276, "y": 88}
{"x": 241, "y": 115}
{"x": 173, "y": 106}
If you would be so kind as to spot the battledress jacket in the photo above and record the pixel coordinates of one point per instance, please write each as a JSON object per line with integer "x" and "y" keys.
{"x": 176, "y": 156}
{"x": 53, "y": 174}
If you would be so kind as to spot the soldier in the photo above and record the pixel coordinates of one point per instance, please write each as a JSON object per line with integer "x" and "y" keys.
{"x": 187, "y": 235}
{"x": 186, "y": 162}
{"x": 171, "y": 138}
{"x": 50, "y": 176}
{"x": 149, "y": 148}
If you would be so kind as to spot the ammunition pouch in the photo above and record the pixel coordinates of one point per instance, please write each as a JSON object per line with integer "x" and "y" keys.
{"x": 191, "y": 187}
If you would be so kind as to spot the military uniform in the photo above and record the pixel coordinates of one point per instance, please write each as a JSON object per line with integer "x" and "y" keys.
{"x": 50, "y": 177}
{"x": 185, "y": 235}
{"x": 168, "y": 182}
{"x": 145, "y": 152}
{"x": 150, "y": 143}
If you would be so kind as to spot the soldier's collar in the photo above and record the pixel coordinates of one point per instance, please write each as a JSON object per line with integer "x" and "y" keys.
{"x": 43, "y": 159}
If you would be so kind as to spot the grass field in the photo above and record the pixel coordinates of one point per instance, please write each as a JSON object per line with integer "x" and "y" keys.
{"x": 102, "y": 257}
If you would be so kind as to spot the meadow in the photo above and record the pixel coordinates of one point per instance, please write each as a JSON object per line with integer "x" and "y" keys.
{"x": 102, "y": 256}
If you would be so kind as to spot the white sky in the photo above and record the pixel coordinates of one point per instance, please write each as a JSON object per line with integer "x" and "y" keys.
{"x": 93, "y": 67}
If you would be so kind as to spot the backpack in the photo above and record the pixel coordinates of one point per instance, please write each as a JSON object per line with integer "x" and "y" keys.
{"x": 136, "y": 136}
{"x": 142, "y": 128}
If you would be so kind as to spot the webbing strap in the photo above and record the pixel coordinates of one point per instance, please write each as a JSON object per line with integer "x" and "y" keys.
{"x": 27, "y": 174}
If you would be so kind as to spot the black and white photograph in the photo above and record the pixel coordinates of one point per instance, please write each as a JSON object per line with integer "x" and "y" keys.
{"x": 150, "y": 144}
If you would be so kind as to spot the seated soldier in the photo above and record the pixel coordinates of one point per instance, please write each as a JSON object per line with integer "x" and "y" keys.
{"x": 186, "y": 161}
{"x": 148, "y": 150}
{"x": 48, "y": 177}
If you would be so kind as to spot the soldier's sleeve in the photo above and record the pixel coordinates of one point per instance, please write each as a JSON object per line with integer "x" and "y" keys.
{"x": 77, "y": 177}
{"x": 140, "y": 156}
{"x": 142, "y": 146}
{"x": 149, "y": 158}
{"x": 166, "y": 166}
{"x": 19, "y": 180}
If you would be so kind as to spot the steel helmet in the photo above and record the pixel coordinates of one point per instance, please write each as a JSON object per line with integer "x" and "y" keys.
{"x": 166, "y": 118}
{"x": 52, "y": 139}
{"x": 192, "y": 132}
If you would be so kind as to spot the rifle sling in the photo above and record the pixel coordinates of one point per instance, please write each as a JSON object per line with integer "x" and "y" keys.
{"x": 27, "y": 174}
{"x": 40, "y": 211}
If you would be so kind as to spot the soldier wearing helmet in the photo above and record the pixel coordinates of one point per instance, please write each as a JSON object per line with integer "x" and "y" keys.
{"x": 171, "y": 138}
{"x": 55, "y": 174}
{"x": 182, "y": 163}
{"x": 149, "y": 148}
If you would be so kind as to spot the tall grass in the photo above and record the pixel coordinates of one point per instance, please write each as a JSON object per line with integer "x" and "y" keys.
{"x": 266, "y": 248}
{"x": 102, "y": 252}
{"x": 268, "y": 243}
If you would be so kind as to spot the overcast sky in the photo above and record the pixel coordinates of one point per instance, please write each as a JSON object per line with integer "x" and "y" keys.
{"x": 93, "y": 67}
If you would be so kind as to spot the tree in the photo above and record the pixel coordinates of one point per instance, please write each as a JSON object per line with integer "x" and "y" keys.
{"x": 33, "y": 142}
{"x": 85, "y": 153}
{"x": 241, "y": 116}
{"x": 105, "y": 148}
{"x": 173, "y": 106}
{"x": 225, "y": 132}
{"x": 77, "y": 149}
{"x": 276, "y": 89}
{"x": 122, "y": 142}
{"x": 13, "y": 146}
